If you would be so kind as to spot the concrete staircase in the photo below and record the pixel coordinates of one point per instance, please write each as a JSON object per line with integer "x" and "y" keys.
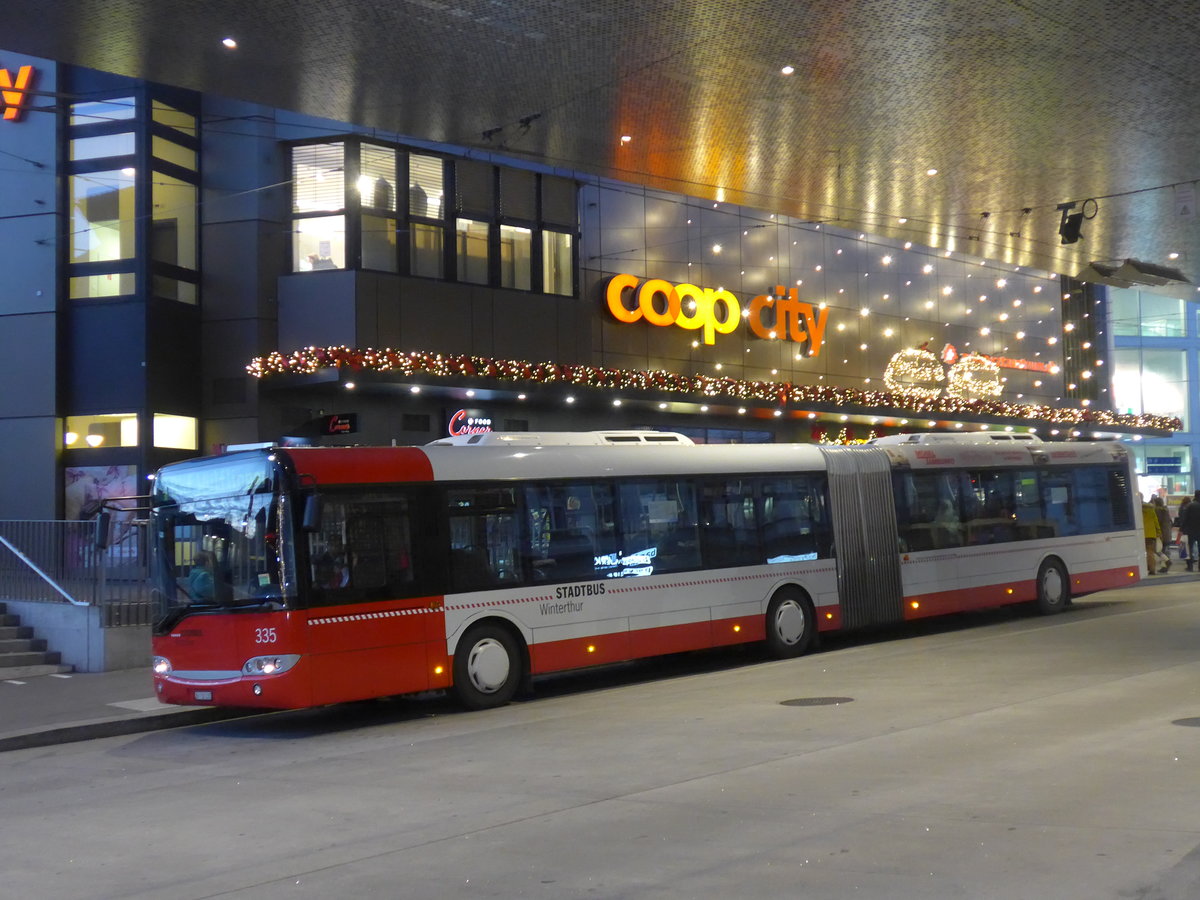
{"x": 21, "y": 654}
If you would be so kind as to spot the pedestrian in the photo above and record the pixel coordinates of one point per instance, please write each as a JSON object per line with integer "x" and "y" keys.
{"x": 1153, "y": 533}
{"x": 1164, "y": 530}
{"x": 1179, "y": 535}
{"x": 1189, "y": 524}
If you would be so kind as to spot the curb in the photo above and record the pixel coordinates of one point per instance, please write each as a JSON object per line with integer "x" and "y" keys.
{"x": 117, "y": 726}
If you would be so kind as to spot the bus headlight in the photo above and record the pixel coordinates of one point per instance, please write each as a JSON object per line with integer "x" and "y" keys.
{"x": 270, "y": 665}
{"x": 161, "y": 665}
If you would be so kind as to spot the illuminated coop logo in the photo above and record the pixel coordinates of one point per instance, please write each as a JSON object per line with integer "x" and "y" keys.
{"x": 14, "y": 91}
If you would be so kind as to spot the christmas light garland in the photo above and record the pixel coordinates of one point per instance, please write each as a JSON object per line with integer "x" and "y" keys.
{"x": 312, "y": 359}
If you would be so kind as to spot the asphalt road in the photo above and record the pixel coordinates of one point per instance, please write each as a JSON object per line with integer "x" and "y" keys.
{"x": 986, "y": 756}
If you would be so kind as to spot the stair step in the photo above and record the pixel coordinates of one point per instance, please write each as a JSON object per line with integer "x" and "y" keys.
{"x": 22, "y": 645}
{"x": 9, "y": 619}
{"x": 11, "y": 632}
{"x": 29, "y": 658}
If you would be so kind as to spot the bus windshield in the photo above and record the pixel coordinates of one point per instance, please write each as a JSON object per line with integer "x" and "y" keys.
{"x": 222, "y": 535}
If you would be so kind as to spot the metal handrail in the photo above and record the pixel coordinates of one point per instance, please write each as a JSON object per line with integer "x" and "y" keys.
{"x": 50, "y": 581}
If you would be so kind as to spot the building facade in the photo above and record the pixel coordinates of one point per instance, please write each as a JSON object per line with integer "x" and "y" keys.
{"x": 190, "y": 272}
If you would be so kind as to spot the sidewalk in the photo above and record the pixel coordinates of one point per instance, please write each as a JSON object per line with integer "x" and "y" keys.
{"x": 41, "y": 710}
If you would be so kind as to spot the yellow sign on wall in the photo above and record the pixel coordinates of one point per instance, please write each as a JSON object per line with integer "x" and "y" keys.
{"x": 661, "y": 303}
{"x": 14, "y": 90}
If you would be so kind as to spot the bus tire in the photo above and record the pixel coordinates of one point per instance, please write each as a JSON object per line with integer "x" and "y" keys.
{"x": 791, "y": 624}
{"x": 1053, "y": 588}
{"x": 488, "y": 667}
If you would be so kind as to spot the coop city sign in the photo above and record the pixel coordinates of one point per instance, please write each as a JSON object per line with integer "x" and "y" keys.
{"x": 777, "y": 316}
{"x": 13, "y": 91}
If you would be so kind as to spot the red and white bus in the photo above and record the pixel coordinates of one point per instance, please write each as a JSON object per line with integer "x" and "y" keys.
{"x": 306, "y": 576}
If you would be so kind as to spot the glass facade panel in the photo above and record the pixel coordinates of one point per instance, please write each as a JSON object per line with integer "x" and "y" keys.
{"x": 377, "y": 179}
{"x": 426, "y": 250}
{"x": 110, "y": 284}
{"x": 474, "y": 185}
{"x": 558, "y": 201}
{"x": 1144, "y": 314}
{"x": 426, "y": 190}
{"x": 1163, "y": 316}
{"x": 169, "y": 151}
{"x": 472, "y": 250}
{"x": 108, "y": 430}
{"x": 379, "y": 243}
{"x": 102, "y": 216}
{"x": 1163, "y": 467}
{"x": 1123, "y": 311}
{"x": 175, "y": 432}
{"x": 173, "y": 289}
{"x": 518, "y": 194}
{"x": 96, "y": 112}
{"x": 516, "y": 247}
{"x": 558, "y": 271}
{"x": 319, "y": 243}
{"x": 1150, "y": 381}
{"x": 173, "y": 118}
{"x": 104, "y": 145}
{"x": 1165, "y": 383}
{"x": 173, "y": 227}
{"x": 318, "y": 178}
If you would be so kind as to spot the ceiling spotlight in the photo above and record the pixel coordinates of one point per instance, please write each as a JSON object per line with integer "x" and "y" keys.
{"x": 788, "y": 70}
{"x": 229, "y": 43}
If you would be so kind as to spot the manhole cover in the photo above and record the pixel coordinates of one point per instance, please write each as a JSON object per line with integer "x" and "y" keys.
{"x": 816, "y": 701}
{"x": 1190, "y": 723}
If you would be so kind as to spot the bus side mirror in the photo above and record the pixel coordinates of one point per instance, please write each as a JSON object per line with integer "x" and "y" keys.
{"x": 103, "y": 527}
{"x": 311, "y": 521}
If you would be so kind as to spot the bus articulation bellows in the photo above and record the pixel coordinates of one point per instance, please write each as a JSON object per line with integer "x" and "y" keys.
{"x": 297, "y": 577}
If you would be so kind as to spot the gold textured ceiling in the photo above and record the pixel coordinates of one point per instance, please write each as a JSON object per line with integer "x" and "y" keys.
{"x": 1020, "y": 105}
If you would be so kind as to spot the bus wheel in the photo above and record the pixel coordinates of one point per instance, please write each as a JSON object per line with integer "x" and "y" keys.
{"x": 487, "y": 667}
{"x": 1053, "y": 588}
{"x": 791, "y": 624}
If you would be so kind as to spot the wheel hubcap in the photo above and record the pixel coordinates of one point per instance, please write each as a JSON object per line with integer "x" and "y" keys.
{"x": 488, "y": 665}
{"x": 1052, "y": 587}
{"x": 789, "y": 622}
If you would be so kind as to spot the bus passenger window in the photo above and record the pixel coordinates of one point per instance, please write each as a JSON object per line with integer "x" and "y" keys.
{"x": 570, "y": 531}
{"x": 658, "y": 522}
{"x": 483, "y": 537}
{"x": 991, "y": 498}
{"x": 927, "y": 511}
{"x": 364, "y": 548}
{"x": 728, "y": 523}
{"x": 794, "y": 527}
{"x": 1057, "y": 501}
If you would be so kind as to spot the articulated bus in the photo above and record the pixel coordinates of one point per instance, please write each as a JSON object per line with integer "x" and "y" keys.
{"x": 297, "y": 577}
